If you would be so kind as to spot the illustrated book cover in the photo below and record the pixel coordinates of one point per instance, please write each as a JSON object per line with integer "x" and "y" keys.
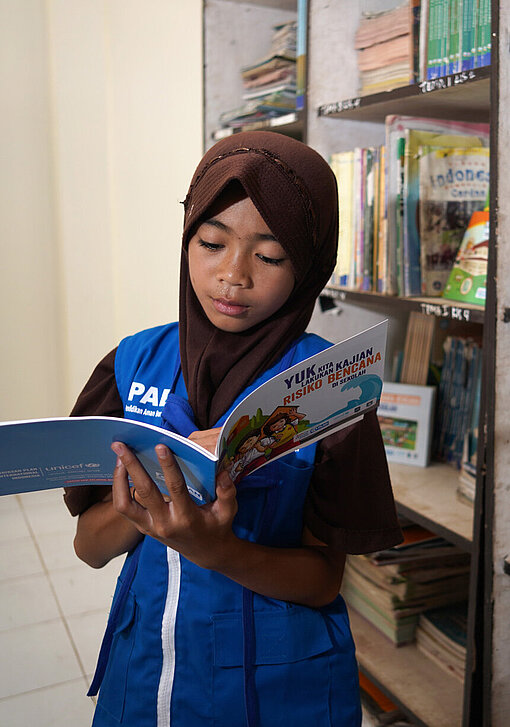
{"x": 406, "y": 414}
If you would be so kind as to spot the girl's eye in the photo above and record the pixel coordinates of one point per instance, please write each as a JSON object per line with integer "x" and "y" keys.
{"x": 213, "y": 246}
{"x": 271, "y": 260}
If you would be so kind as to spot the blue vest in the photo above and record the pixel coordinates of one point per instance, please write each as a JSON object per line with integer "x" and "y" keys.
{"x": 190, "y": 647}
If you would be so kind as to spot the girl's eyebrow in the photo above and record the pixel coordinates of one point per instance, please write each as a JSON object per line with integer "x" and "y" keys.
{"x": 259, "y": 236}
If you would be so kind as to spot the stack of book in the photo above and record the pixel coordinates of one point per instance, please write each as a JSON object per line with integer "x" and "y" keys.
{"x": 386, "y": 42}
{"x": 404, "y": 206}
{"x": 458, "y": 403}
{"x": 441, "y": 636}
{"x": 421, "y": 40}
{"x": 269, "y": 84}
{"x": 391, "y": 588}
{"x": 456, "y": 36}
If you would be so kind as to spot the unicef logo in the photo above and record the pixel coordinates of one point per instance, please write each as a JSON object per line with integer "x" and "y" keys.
{"x": 91, "y": 465}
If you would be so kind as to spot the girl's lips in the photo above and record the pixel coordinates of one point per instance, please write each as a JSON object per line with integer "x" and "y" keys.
{"x": 228, "y": 308}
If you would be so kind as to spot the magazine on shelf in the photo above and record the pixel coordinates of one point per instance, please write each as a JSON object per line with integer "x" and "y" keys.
{"x": 405, "y": 416}
{"x": 333, "y": 389}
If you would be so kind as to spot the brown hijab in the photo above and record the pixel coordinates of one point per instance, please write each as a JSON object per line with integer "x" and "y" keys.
{"x": 294, "y": 190}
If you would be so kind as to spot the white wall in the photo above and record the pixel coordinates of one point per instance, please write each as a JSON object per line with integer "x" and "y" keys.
{"x": 100, "y": 131}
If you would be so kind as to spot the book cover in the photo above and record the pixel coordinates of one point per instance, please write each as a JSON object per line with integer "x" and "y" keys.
{"x": 406, "y": 415}
{"x": 299, "y": 406}
{"x": 453, "y": 184}
{"x": 414, "y": 139}
{"x": 395, "y": 126}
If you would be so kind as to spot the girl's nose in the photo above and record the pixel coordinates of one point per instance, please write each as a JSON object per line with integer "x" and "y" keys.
{"x": 234, "y": 270}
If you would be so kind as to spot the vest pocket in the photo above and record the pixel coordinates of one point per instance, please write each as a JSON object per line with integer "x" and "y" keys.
{"x": 281, "y": 637}
{"x": 291, "y": 672}
{"x": 113, "y": 689}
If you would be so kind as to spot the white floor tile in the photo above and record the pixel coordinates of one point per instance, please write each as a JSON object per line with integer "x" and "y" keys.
{"x": 43, "y": 498}
{"x": 19, "y": 557}
{"x": 50, "y": 517}
{"x": 9, "y": 502}
{"x": 35, "y": 656}
{"x": 58, "y": 706}
{"x": 57, "y": 550}
{"x": 25, "y": 601}
{"x": 87, "y": 630}
{"x": 82, "y": 589}
{"x": 12, "y": 525}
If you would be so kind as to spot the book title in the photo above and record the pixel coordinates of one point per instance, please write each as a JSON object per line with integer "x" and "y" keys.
{"x": 334, "y": 373}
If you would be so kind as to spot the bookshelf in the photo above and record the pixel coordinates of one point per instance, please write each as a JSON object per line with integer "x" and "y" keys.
{"x": 463, "y": 95}
{"x": 337, "y": 119}
{"x": 245, "y": 29}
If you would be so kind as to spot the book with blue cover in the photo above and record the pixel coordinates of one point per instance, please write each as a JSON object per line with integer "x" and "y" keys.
{"x": 333, "y": 389}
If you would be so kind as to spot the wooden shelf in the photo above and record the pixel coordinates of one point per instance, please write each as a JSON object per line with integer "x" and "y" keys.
{"x": 408, "y": 677}
{"x": 464, "y": 95}
{"x": 428, "y": 495}
{"x": 290, "y": 124}
{"x": 438, "y": 307}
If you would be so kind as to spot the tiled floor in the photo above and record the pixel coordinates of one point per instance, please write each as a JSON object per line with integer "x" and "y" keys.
{"x": 53, "y": 610}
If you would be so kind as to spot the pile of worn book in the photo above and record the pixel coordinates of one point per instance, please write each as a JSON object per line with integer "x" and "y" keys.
{"x": 269, "y": 84}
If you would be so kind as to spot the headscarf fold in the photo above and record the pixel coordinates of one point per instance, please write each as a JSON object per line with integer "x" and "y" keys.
{"x": 294, "y": 190}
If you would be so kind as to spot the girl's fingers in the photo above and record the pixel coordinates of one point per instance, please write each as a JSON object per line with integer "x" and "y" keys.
{"x": 122, "y": 500}
{"x": 148, "y": 495}
{"x": 226, "y": 501}
{"x": 174, "y": 480}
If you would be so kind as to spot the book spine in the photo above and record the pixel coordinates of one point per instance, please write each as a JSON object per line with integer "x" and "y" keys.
{"x": 455, "y": 28}
{"x": 485, "y": 54}
{"x": 467, "y": 34}
{"x": 477, "y": 10}
{"x": 301, "y": 54}
{"x": 444, "y": 37}
{"x": 432, "y": 40}
{"x": 415, "y": 10}
{"x": 423, "y": 39}
{"x": 368, "y": 220}
{"x": 382, "y": 279}
{"x": 399, "y": 217}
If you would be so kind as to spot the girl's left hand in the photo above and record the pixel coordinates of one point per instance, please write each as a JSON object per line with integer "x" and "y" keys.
{"x": 201, "y": 533}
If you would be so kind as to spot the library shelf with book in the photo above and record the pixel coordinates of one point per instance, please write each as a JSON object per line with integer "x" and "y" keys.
{"x": 254, "y": 65}
{"x": 335, "y": 117}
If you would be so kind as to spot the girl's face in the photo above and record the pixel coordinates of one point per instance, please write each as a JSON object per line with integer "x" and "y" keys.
{"x": 240, "y": 273}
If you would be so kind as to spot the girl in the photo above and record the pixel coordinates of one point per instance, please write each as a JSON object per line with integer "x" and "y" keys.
{"x": 229, "y": 614}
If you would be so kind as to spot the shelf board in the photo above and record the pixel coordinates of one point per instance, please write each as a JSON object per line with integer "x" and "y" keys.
{"x": 290, "y": 124}
{"x": 464, "y": 95}
{"x": 439, "y": 307}
{"x": 428, "y": 495}
{"x": 408, "y": 677}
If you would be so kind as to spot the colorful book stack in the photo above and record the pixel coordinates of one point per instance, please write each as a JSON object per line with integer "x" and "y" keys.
{"x": 404, "y": 206}
{"x": 391, "y": 588}
{"x": 458, "y": 36}
{"x": 458, "y": 402}
{"x": 269, "y": 83}
{"x": 387, "y": 44}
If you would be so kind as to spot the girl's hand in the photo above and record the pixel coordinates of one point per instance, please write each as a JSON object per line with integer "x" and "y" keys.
{"x": 206, "y": 438}
{"x": 203, "y": 534}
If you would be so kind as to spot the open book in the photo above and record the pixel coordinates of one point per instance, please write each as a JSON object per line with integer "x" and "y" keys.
{"x": 316, "y": 397}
